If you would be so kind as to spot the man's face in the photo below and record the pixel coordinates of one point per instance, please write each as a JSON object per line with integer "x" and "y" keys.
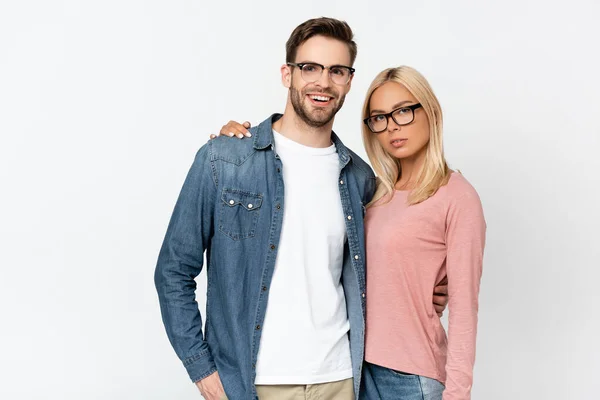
{"x": 316, "y": 103}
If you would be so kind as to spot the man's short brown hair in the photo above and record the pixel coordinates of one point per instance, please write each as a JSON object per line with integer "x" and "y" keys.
{"x": 328, "y": 27}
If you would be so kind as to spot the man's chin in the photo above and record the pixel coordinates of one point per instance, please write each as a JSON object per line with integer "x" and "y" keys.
{"x": 318, "y": 122}
{"x": 320, "y": 117}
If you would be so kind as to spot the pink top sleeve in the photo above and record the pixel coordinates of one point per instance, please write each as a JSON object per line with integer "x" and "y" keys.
{"x": 465, "y": 241}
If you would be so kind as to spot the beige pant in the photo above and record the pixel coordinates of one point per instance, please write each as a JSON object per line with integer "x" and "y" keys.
{"x": 340, "y": 390}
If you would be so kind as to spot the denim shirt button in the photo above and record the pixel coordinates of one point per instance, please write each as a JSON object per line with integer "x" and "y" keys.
{"x": 349, "y": 217}
{"x": 231, "y": 202}
{"x": 264, "y": 288}
{"x": 272, "y": 247}
{"x": 363, "y": 295}
{"x": 341, "y": 182}
{"x": 356, "y": 257}
{"x": 257, "y": 327}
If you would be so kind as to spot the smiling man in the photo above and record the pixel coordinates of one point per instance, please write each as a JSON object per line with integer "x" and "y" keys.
{"x": 280, "y": 218}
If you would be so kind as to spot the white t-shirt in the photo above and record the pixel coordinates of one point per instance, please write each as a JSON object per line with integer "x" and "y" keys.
{"x": 305, "y": 331}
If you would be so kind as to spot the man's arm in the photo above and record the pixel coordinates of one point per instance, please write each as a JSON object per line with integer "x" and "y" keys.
{"x": 180, "y": 261}
{"x": 440, "y": 296}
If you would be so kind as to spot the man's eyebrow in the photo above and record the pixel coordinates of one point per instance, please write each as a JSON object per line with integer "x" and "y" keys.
{"x": 331, "y": 66}
{"x": 393, "y": 108}
{"x": 308, "y": 62}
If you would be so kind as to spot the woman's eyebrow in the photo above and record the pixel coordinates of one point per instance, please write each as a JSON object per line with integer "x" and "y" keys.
{"x": 393, "y": 108}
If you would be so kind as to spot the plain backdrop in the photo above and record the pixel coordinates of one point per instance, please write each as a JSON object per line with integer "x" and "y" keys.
{"x": 103, "y": 105}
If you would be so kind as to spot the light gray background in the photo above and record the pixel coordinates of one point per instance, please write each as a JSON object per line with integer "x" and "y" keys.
{"x": 103, "y": 105}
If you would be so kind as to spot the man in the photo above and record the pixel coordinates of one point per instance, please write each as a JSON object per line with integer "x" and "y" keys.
{"x": 281, "y": 220}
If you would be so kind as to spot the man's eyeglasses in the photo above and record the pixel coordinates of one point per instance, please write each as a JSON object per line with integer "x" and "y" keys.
{"x": 401, "y": 116}
{"x": 311, "y": 72}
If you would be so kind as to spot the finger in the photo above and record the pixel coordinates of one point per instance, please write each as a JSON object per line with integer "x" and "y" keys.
{"x": 441, "y": 290}
{"x": 225, "y": 131}
{"x": 247, "y": 126}
{"x": 438, "y": 309}
{"x": 231, "y": 132}
{"x": 212, "y": 136}
{"x": 440, "y": 301}
{"x": 237, "y": 127}
{"x": 240, "y": 132}
{"x": 243, "y": 129}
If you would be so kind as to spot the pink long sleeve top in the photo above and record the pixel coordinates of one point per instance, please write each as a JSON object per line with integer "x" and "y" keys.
{"x": 409, "y": 250}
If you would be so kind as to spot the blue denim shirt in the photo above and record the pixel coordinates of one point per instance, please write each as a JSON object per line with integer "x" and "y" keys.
{"x": 231, "y": 208}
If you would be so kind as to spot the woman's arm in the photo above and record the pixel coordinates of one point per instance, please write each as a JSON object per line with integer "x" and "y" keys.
{"x": 233, "y": 128}
{"x": 465, "y": 242}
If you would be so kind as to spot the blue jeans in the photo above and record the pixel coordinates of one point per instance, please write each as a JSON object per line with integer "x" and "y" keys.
{"x": 380, "y": 383}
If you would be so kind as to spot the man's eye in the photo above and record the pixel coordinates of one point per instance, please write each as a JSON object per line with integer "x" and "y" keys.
{"x": 309, "y": 68}
{"x": 337, "y": 71}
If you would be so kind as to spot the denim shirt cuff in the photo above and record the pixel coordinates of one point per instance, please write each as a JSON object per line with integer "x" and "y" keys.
{"x": 200, "y": 366}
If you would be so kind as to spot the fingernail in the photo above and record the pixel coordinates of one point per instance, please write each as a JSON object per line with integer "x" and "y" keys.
{"x": 231, "y": 134}
{"x": 239, "y": 135}
{"x": 248, "y": 134}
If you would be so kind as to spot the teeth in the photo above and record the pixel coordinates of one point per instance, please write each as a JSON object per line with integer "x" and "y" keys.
{"x": 320, "y": 98}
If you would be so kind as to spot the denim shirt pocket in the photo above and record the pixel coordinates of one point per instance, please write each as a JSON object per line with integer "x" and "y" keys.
{"x": 239, "y": 213}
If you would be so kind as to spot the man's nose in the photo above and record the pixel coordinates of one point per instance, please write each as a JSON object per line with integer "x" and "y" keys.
{"x": 324, "y": 80}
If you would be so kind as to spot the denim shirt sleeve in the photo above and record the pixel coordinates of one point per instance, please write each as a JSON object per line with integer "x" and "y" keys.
{"x": 180, "y": 261}
{"x": 370, "y": 187}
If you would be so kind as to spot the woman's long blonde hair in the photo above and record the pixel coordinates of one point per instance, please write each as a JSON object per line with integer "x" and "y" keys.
{"x": 435, "y": 172}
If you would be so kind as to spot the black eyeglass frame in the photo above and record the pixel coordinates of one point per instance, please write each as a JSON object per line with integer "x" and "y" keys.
{"x": 387, "y": 116}
{"x": 303, "y": 64}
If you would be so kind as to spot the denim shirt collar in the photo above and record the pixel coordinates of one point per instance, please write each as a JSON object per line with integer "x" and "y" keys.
{"x": 263, "y": 138}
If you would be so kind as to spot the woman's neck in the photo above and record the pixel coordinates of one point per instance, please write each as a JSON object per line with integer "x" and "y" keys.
{"x": 410, "y": 169}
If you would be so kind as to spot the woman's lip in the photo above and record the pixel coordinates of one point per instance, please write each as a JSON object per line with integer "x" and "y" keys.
{"x": 398, "y": 142}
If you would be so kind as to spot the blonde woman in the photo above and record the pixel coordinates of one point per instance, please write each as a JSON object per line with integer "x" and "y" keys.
{"x": 424, "y": 223}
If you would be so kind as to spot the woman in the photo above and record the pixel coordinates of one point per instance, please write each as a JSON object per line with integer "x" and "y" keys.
{"x": 425, "y": 222}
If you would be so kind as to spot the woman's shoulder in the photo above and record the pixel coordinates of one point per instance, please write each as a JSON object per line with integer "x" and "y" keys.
{"x": 459, "y": 189}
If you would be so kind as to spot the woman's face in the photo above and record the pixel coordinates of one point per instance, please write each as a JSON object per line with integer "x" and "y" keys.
{"x": 404, "y": 141}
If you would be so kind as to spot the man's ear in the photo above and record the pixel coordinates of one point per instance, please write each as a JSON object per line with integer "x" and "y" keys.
{"x": 286, "y": 75}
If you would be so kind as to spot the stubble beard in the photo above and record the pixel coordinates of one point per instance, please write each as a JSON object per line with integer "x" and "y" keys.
{"x": 313, "y": 118}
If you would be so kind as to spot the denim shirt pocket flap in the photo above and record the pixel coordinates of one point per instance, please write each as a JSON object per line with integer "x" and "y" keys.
{"x": 233, "y": 198}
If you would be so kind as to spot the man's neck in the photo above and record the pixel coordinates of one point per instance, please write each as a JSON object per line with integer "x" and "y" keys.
{"x": 294, "y": 128}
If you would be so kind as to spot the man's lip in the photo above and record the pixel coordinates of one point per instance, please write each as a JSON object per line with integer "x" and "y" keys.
{"x": 321, "y": 94}
{"x": 320, "y": 104}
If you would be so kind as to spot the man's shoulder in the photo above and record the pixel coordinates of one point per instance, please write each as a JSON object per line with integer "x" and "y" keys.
{"x": 231, "y": 149}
